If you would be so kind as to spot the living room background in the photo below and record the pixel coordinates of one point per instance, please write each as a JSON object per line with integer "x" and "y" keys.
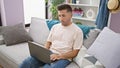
{"x": 12, "y": 12}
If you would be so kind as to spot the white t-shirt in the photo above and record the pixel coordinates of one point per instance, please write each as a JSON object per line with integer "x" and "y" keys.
{"x": 65, "y": 38}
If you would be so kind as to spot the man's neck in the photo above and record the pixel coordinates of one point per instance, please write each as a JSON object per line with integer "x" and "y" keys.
{"x": 67, "y": 24}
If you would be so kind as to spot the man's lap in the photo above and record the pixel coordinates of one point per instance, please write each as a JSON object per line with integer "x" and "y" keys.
{"x": 32, "y": 62}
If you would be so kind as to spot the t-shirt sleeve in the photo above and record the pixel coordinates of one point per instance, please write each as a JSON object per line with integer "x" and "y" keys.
{"x": 78, "y": 42}
{"x": 50, "y": 35}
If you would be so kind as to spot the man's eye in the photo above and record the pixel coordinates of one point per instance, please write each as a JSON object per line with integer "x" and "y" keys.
{"x": 59, "y": 15}
{"x": 63, "y": 15}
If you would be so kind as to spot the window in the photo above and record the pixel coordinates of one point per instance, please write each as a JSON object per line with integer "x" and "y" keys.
{"x": 33, "y": 8}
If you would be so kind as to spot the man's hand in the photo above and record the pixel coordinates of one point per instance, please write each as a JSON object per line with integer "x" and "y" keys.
{"x": 54, "y": 57}
{"x": 47, "y": 45}
{"x": 67, "y": 55}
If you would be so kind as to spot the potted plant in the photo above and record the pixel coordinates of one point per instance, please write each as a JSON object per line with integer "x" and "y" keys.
{"x": 53, "y": 8}
{"x": 46, "y": 1}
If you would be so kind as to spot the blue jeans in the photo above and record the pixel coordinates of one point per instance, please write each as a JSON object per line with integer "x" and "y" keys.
{"x": 32, "y": 62}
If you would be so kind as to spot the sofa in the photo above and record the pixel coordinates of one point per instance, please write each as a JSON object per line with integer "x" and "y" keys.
{"x": 14, "y": 47}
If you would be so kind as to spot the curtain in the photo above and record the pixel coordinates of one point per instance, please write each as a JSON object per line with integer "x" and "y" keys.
{"x": 103, "y": 15}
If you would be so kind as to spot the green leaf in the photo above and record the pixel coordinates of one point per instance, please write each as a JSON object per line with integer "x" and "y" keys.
{"x": 53, "y": 8}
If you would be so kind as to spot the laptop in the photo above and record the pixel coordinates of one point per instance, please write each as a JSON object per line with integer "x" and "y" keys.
{"x": 39, "y": 52}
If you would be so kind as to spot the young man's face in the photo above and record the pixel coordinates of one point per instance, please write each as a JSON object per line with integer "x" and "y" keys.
{"x": 65, "y": 17}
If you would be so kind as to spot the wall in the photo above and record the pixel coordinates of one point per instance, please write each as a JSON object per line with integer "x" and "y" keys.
{"x": 115, "y": 22}
{"x": 12, "y": 12}
{"x": 33, "y": 8}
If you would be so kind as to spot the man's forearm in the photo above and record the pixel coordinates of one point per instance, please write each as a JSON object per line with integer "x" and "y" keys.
{"x": 69, "y": 55}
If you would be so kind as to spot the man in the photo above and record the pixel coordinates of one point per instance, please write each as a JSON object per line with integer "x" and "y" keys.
{"x": 64, "y": 41}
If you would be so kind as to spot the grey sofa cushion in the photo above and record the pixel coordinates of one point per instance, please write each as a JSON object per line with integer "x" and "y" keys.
{"x": 91, "y": 37}
{"x": 1, "y": 37}
{"x": 15, "y": 34}
{"x": 0, "y": 29}
{"x": 106, "y": 48}
{"x": 2, "y": 40}
{"x": 13, "y": 56}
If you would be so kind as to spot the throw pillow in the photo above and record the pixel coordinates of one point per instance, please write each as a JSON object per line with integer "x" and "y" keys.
{"x": 50, "y": 23}
{"x": 85, "y": 29}
{"x": 85, "y": 60}
{"x": 106, "y": 48}
{"x": 91, "y": 37}
{"x": 15, "y": 34}
{"x": 38, "y": 30}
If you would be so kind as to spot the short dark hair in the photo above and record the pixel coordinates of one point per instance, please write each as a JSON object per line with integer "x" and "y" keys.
{"x": 64, "y": 7}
